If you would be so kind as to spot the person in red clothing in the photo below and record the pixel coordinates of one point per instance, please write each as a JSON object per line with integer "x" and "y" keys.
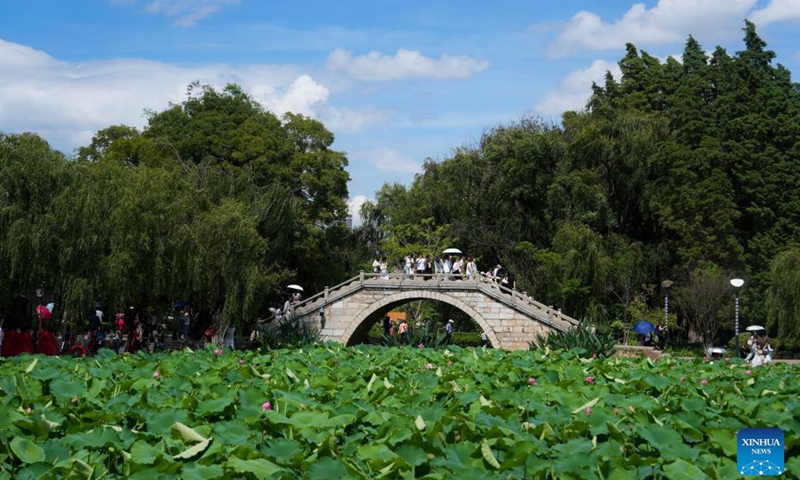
{"x": 135, "y": 342}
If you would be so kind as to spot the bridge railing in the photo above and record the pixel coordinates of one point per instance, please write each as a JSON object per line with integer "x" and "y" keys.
{"x": 399, "y": 280}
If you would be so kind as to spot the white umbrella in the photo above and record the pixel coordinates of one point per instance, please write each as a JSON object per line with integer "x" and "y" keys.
{"x": 452, "y": 250}
{"x": 295, "y": 287}
{"x": 754, "y": 328}
{"x": 716, "y": 350}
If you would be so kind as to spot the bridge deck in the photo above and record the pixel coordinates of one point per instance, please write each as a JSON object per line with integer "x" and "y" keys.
{"x": 511, "y": 298}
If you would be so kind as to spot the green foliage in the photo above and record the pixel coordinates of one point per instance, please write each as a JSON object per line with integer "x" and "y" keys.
{"x": 216, "y": 202}
{"x": 583, "y": 340}
{"x": 428, "y": 335}
{"x": 288, "y": 334}
{"x": 673, "y": 167}
{"x": 783, "y": 297}
{"x": 338, "y": 412}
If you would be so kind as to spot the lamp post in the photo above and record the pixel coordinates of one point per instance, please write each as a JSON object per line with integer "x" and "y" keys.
{"x": 737, "y": 283}
{"x": 666, "y": 284}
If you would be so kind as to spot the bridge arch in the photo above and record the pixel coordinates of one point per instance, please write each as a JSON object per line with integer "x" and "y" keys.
{"x": 357, "y": 330}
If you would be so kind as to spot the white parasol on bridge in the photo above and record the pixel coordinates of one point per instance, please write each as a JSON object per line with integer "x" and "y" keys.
{"x": 755, "y": 328}
{"x": 295, "y": 287}
{"x": 452, "y": 250}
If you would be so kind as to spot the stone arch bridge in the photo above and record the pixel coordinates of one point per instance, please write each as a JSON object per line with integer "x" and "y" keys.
{"x": 346, "y": 312}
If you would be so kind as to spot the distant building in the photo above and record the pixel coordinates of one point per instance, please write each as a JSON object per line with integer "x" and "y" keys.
{"x": 396, "y": 316}
{"x": 348, "y": 221}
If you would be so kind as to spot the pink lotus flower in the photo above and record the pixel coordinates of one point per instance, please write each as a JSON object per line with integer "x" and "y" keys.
{"x": 594, "y": 355}
{"x": 449, "y": 364}
{"x": 704, "y": 382}
{"x": 267, "y": 406}
{"x": 748, "y": 372}
{"x": 590, "y": 379}
{"x": 429, "y": 366}
{"x": 616, "y": 411}
{"x": 421, "y": 345}
{"x": 241, "y": 362}
{"x": 532, "y": 381}
{"x": 588, "y": 410}
{"x": 219, "y": 351}
{"x": 156, "y": 375}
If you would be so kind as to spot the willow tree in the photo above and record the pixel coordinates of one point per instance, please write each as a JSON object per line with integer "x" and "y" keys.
{"x": 783, "y": 297}
{"x": 31, "y": 175}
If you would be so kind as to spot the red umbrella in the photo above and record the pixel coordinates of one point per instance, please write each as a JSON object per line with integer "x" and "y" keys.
{"x": 43, "y": 312}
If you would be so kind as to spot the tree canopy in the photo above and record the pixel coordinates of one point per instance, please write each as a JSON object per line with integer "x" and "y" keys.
{"x": 682, "y": 170}
{"x": 217, "y": 202}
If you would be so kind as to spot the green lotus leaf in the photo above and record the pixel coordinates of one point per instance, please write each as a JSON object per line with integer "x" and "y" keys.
{"x": 143, "y": 453}
{"x": 215, "y": 405}
{"x": 681, "y": 469}
{"x": 667, "y": 442}
{"x": 724, "y": 440}
{"x": 27, "y": 451}
{"x": 234, "y": 432}
{"x": 412, "y": 455}
{"x": 65, "y": 388}
{"x": 283, "y": 449}
{"x": 259, "y": 467}
{"x": 328, "y": 469}
{"x": 197, "y": 471}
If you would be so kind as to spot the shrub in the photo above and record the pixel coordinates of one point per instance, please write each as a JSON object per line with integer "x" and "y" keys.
{"x": 289, "y": 334}
{"x": 582, "y": 340}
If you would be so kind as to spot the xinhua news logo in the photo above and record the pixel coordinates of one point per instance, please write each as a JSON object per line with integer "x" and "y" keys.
{"x": 760, "y": 451}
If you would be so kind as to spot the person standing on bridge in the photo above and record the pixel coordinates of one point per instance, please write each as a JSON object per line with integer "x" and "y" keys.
{"x": 421, "y": 264}
{"x": 472, "y": 269}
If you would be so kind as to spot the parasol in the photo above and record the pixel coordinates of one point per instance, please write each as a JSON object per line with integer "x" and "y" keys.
{"x": 643, "y": 327}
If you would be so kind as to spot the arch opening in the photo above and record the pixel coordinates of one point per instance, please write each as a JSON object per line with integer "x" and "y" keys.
{"x": 364, "y": 321}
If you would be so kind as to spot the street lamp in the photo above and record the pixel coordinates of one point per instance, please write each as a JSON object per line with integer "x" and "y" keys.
{"x": 737, "y": 283}
{"x": 666, "y": 284}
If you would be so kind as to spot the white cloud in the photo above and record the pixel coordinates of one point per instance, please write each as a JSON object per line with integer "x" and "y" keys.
{"x": 186, "y": 12}
{"x": 667, "y": 22}
{"x": 67, "y": 102}
{"x": 575, "y": 90}
{"x": 348, "y": 120}
{"x": 776, "y": 11}
{"x": 354, "y": 208}
{"x": 388, "y": 160}
{"x": 375, "y": 66}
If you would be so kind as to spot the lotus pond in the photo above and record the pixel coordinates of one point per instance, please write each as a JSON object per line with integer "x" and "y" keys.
{"x": 332, "y": 412}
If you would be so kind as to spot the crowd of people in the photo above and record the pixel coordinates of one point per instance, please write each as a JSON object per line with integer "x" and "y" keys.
{"x": 128, "y": 331}
{"x": 760, "y": 350}
{"x": 445, "y": 267}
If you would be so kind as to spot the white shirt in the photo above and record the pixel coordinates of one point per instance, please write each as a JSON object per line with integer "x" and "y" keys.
{"x": 421, "y": 263}
{"x": 229, "y": 333}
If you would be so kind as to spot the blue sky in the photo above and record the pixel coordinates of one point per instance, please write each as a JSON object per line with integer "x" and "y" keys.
{"x": 396, "y": 81}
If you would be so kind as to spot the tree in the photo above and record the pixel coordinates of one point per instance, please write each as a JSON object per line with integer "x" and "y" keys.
{"x": 31, "y": 175}
{"x": 702, "y": 299}
{"x": 783, "y": 297}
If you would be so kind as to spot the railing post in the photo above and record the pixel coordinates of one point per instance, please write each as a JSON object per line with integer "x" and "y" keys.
{"x": 361, "y": 277}
{"x": 513, "y": 296}
{"x": 325, "y": 295}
